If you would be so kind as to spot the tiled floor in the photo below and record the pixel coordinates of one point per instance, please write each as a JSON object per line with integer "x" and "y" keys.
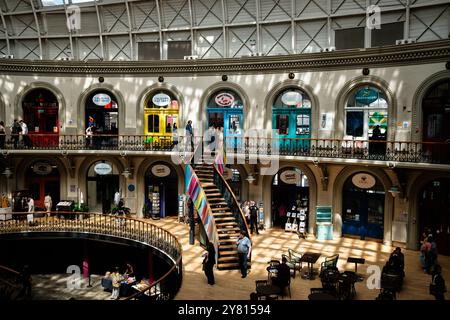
{"x": 266, "y": 246}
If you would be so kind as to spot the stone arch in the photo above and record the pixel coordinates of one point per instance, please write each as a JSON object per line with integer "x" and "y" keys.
{"x": 140, "y": 183}
{"x": 144, "y": 94}
{"x": 267, "y": 193}
{"x": 42, "y": 85}
{"x": 89, "y": 161}
{"x": 224, "y": 85}
{"x": 338, "y": 185}
{"x": 343, "y": 95}
{"x": 81, "y": 105}
{"x": 417, "y": 120}
{"x": 413, "y": 190}
{"x": 63, "y": 170}
{"x": 298, "y": 84}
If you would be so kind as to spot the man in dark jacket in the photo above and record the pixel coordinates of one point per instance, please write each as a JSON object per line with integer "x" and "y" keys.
{"x": 253, "y": 217}
{"x": 283, "y": 275}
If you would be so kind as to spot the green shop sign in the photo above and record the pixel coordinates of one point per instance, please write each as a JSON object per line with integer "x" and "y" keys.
{"x": 366, "y": 96}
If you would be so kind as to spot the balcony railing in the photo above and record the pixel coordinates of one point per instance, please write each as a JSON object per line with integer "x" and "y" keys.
{"x": 128, "y": 228}
{"x": 401, "y": 151}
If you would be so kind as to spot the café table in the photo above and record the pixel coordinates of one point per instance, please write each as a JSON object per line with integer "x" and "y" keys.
{"x": 310, "y": 258}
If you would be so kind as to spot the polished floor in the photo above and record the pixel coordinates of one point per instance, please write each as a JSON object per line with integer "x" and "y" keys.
{"x": 270, "y": 244}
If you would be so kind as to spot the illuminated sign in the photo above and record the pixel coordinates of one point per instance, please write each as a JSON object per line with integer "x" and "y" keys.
{"x": 101, "y": 99}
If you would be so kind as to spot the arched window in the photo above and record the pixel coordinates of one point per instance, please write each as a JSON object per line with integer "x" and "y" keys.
{"x": 436, "y": 112}
{"x": 102, "y": 112}
{"x": 291, "y": 112}
{"x": 225, "y": 110}
{"x": 366, "y": 114}
{"x": 161, "y": 109}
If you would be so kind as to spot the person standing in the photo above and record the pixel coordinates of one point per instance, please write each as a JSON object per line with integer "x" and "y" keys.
{"x": 437, "y": 286}
{"x": 2, "y": 135}
{"x": 253, "y": 217}
{"x": 48, "y": 203}
{"x": 244, "y": 249}
{"x": 191, "y": 221}
{"x": 16, "y": 129}
{"x": 209, "y": 261}
{"x": 190, "y": 135}
{"x": 24, "y": 133}
{"x": 30, "y": 204}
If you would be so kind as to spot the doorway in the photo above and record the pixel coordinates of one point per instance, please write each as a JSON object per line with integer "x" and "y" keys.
{"x": 100, "y": 188}
{"x": 434, "y": 212}
{"x": 43, "y": 178}
{"x": 290, "y": 193}
{"x": 363, "y": 207}
{"x": 161, "y": 190}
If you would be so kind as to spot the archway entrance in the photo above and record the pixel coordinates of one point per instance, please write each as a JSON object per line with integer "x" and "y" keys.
{"x": 161, "y": 109}
{"x": 43, "y": 178}
{"x": 363, "y": 198}
{"x": 102, "y": 183}
{"x": 102, "y": 114}
{"x": 290, "y": 193}
{"x": 436, "y": 121}
{"x": 291, "y": 114}
{"x": 40, "y": 114}
{"x": 225, "y": 110}
{"x": 434, "y": 212}
{"x": 161, "y": 190}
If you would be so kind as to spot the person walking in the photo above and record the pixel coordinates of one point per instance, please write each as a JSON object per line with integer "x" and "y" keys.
{"x": 48, "y": 203}
{"x": 2, "y": 135}
{"x": 209, "y": 260}
{"x": 244, "y": 249}
{"x": 253, "y": 217}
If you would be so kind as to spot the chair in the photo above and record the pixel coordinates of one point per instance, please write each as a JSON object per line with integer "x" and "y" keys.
{"x": 272, "y": 269}
{"x": 290, "y": 263}
{"x": 288, "y": 288}
{"x": 329, "y": 263}
{"x": 295, "y": 257}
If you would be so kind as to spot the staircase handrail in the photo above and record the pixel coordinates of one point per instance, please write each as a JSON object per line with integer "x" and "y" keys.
{"x": 213, "y": 234}
{"x": 234, "y": 200}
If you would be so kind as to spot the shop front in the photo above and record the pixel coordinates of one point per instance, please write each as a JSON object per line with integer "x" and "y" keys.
{"x": 102, "y": 183}
{"x": 161, "y": 112}
{"x": 363, "y": 202}
{"x": 436, "y": 121}
{"x": 40, "y": 114}
{"x": 366, "y": 121}
{"x": 161, "y": 191}
{"x": 290, "y": 194}
{"x": 102, "y": 119}
{"x": 225, "y": 112}
{"x": 42, "y": 179}
{"x": 291, "y": 117}
{"x": 434, "y": 212}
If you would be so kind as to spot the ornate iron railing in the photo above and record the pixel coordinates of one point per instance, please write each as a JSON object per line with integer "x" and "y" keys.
{"x": 110, "y": 225}
{"x": 9, "y": 287}
{"x": 401, "y": 151}
{"x": 231, "y": 200}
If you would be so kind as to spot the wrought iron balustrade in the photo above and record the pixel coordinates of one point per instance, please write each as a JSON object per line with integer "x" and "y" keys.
{"x": 401, "y": 151}
{"x": 110, "y": 225}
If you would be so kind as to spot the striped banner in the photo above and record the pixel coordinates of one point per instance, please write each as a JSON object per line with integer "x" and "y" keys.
{"x": 195, "y": 192}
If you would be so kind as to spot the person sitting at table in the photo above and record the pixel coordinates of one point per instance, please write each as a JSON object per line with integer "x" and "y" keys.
{"x": 283, "y": 275}
{"x": 129, "y": 271}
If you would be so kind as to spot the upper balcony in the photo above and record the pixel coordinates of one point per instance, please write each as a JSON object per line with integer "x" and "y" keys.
{"x": 245, "y": 149}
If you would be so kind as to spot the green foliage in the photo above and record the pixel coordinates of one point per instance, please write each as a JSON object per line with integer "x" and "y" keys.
{"x": 80, "y": 207}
